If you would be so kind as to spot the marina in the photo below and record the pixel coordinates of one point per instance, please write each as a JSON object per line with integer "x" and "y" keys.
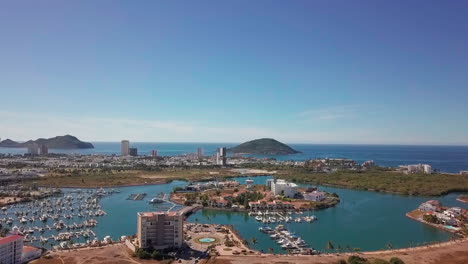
{"x": 359, "y": 221}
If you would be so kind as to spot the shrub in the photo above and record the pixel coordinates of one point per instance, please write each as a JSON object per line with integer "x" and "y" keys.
{"x": 396, "y": 260}
{"x": 431, "y": 219}
{"x": 357, "y": 260}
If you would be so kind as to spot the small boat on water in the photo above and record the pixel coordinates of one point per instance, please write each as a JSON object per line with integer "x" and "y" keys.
{"x": 156, "y": 200}
{"x": 249, "y": 181}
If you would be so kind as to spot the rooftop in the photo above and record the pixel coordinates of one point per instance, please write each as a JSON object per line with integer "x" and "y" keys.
{"x": 9, "y": 239}
{"x": 29, "y": 249}
{"x": 150, "y": 214}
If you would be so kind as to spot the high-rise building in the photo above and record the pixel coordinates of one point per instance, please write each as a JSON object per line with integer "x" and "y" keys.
{"x": 11, "y": 248}
{"x": 160, "y": 230}
{"x": 221, "y": 158}
{"x": 125, "y": 148}
{"x": 33, "y": 149}
{"x": 43, "y": 149}
{"x": 133, "y": 152}
{"x": 199, "y": 153}
{"x": 154, "y": 153}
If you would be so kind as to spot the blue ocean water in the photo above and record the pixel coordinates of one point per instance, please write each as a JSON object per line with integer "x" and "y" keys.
{"x": 444, "y": 158}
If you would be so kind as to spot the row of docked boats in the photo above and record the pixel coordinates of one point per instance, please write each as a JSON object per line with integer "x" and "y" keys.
{"x": 56, "y": 217}
{"x": 276, "y": 217}
{"x": 288, "y": 240}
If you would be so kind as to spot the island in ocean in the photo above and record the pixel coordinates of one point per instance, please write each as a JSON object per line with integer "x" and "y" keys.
{"x": 263, "y": 146}
{"x": 59, "y": 142}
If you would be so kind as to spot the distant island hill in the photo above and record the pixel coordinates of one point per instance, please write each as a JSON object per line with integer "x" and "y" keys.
{"x": 263, "y": 146}
{"x": 59, "y": 142}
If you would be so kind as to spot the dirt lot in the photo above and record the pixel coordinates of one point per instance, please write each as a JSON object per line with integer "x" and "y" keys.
{"x": 454, "y": 253}
{"x": 115, "y": 254}
{"x": 448, "y": 253}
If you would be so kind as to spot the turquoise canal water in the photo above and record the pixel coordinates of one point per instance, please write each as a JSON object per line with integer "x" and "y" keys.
{"x": 363, "y": 219}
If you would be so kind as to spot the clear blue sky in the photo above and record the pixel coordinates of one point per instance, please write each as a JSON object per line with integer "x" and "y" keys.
{"x": 378, "y": 72}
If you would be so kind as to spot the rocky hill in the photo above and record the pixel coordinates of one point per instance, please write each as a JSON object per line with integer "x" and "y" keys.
{"x": 59, "y": 142}
{"x": 265, "y": 146}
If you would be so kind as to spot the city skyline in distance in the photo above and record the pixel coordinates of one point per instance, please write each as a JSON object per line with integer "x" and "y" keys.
{"x": 302, "y": 72}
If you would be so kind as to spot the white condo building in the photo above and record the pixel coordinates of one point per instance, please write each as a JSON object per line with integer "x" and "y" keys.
{"x": 417, "y": 168}
{"x": 282, "y": 187}
{"x": 11, "y": 248}
{"x": 221, "y": 157}
{"x": 125, "y": 148}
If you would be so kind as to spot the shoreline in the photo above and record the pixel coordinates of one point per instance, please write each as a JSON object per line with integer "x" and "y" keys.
{"x": 167, "y": 181}
{"x": 438, "y": 226}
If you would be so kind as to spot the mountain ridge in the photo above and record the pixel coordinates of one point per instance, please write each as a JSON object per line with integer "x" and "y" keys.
{"x": 58, "y": 142}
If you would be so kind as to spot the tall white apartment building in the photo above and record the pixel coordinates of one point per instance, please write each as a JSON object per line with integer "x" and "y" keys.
{"x": 11, "y": 248}
{"x": 125, "y": 148}
{"x": 160, "y": 230}
{"x": 221, "y": 156}
{"x": 199, "y": 153}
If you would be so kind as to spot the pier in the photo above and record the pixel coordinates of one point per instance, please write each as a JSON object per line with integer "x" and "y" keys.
{"x": 136, "y": 196}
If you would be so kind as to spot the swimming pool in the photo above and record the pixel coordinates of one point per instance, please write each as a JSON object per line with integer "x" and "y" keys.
{"x": 207, "y": 240}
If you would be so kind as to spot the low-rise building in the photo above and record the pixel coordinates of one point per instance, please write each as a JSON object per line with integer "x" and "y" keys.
{"x": 419, "y": 168}
{"x": 219, "y": 203}
{"x": 282, "y": 187}
{"x": 315, "y": 196}
{"x": 29, "y": 253}
{"x": 431, "y": 205}
{"x": 11, "y": 248}
{"x": 160, "y": 230}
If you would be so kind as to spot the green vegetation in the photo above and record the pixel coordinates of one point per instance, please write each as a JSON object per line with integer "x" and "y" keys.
{"x": 151, "y": 254}
{"x": 266, "y": 146}
{"x": 380, "y": 261}
{"x": 361, "y": 260}
{"x": 395, "y": 260}
{"x": 382, "y": 181}
{"x": 430, "y": 219}
{"x": 246, "y": 197}
{"x": 357, "y": 260}
{"x": 377, "y": 179}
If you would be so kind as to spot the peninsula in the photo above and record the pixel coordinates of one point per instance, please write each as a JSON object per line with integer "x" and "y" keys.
{"x": 59, "y": 142}
{"x": 263, "y": 146}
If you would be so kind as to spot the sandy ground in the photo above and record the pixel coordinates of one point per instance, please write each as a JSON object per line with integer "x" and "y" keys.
{"x": 9, "y": 200}
{"x": 118, "y": 254}
{"x": 447, "y": 253}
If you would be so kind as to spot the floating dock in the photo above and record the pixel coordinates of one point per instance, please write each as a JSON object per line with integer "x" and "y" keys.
{"x": 136, "y": 196}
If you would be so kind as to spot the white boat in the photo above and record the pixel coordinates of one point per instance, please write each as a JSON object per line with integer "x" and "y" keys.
{"x": 258, "y": 218}
{"x": 249, "y": 181}
{"x": 156, "y": 200}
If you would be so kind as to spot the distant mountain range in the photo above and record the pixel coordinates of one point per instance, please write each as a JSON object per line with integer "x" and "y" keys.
{"x": 59, "y": 142}
{"x": 265, "y": 146}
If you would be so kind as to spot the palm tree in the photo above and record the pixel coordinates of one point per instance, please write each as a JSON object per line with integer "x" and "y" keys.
{"x": 389, "y": 246}
{"x": 270, "y": 250}
{"x": 330, "y": 245}
{"x": 254, "y": 240}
